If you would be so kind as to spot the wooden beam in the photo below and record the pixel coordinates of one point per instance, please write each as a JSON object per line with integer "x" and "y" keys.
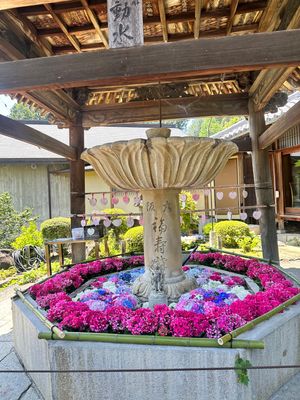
{"x": 174, "y": 37}
{"x": 19, "y": 131}
{"x": 95, "y": 22}
{"x": 163, "y": 20}
{"x": 269, "y": 82}
{"x": 283, "y": 124}
{"x": 154, "y": 63}
{"x": 185, "y": 107}
{"x": 263, "y": 185}
{"x": 7, "y": 4}
{"x": 198, "y": 6}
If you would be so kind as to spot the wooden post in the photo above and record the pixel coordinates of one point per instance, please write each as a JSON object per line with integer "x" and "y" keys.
{"x": 77, "y": 186}
{"x": 263, "y": 185}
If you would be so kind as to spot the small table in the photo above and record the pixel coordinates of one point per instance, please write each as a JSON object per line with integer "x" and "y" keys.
{"x": 59, "y": 243}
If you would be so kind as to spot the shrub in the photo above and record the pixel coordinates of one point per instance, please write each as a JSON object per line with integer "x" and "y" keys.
{"x": 207, "y": 228}
{"x": 134, "y": 238}
{"x": 56, "y": 228}
{"x": 30, "y": 235}
{"x": 11, "y": 221}
{"x": 113, "y": 244}
{"x": 249, "y": 243}
{"x": 231, "y": 232}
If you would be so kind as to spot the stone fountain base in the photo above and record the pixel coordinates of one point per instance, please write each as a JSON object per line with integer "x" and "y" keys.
{"x": 281, "y": 335}
{"x": 174, "y": 287}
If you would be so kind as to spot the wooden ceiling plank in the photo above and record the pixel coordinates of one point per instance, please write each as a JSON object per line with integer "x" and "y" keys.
{"x": 8, "y": 4}
{"x": 75, "y": 43}
{"x": 184, "y": 107}
{"x": 94, "y": 20}
{"x": 198, "y": 7}
{"x": 160, "y": 62}
{"x": 163, "y": 20}
{"x": 19, "y": 131}
{"x": 287, "y": 121}
{"x": 233, "y": 8}
{"x": 243, "y": 8}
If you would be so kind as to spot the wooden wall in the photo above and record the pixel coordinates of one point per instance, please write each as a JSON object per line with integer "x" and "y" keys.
{"x": 28, "y": 184}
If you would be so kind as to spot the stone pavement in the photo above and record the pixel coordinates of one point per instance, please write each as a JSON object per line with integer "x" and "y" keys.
{"x": 20, "y": 387}
{"x": 12, "y": 386}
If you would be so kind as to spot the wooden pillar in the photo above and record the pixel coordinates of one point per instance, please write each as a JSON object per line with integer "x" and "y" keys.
{"x": 263, "y": 185}
{"x": 77, "y": 186}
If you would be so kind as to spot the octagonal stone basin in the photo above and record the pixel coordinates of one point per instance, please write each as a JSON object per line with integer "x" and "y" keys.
{"x": 281, "y": 335}
{"x": 159, "y": 168}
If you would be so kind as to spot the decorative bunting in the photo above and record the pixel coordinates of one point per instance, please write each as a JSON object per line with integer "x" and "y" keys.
{"x": 232, "y": 195}
{"x": 243, "y": 216}
{"x": 104, "y": 199}
{"x": 256, "y": 214}
{"x": 220, "y": 195}
{"x": 196, "y": 196}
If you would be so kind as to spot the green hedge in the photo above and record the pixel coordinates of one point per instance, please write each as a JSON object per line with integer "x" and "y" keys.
{"x": 134, "y": 238}
{"x": 56, "y": 228}
{"x": 231, "y": 232}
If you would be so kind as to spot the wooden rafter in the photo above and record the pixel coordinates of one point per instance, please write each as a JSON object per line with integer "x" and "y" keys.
{"x": 21, "y": 42}
{"x": 163, "y": 20}
{"x": 95, "y": 22}
{"x": 19, "y": 131}
{"x": 270, "y": 17}
{"x": 72, "y": 39}
{"x": 233, "y": 8}
{"x": 198, "y": 6}
{"x": 174, "y": 37}
{"x": 269, "y": 82}
{"x": 160, "y": 62}
{"x": 283, "y": 124}
{"x": 185, "y": 107}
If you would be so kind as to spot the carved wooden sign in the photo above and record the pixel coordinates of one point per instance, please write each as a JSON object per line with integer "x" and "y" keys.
{"x": 125, "y": 23}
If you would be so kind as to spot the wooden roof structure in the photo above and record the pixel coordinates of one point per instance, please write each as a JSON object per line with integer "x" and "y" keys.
{"x": 31, "y": 29}
{"x": 168, "y": 59}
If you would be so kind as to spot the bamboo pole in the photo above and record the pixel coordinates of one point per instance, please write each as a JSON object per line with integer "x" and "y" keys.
{"x": 60, "y": 334}
{"x": 152, "y": 340}
{"x": 226, "y": 338}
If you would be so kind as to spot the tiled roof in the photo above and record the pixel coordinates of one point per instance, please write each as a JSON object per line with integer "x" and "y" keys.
{"x": 241, "y": 128}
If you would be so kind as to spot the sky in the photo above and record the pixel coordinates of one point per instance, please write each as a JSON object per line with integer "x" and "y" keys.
{"x": 6, "y": 104}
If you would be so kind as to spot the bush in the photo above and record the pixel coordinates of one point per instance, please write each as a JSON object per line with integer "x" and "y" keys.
{"x": 56, "y": 228}
{"x": 134, "y": 238}
{"x": 114, "y": 245}
{"x": 207, "y": 228}
{"x": 11, "y": 221}
{"x": 30, "y": 235}
{"x": 231, "y": 232}
{"x": 249, "y": 243}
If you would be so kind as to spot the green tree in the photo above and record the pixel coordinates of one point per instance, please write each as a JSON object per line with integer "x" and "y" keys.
{"x": 20, "y": 111}
{"x": 11, "y": 221}
{"x": 208, "y": 126}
